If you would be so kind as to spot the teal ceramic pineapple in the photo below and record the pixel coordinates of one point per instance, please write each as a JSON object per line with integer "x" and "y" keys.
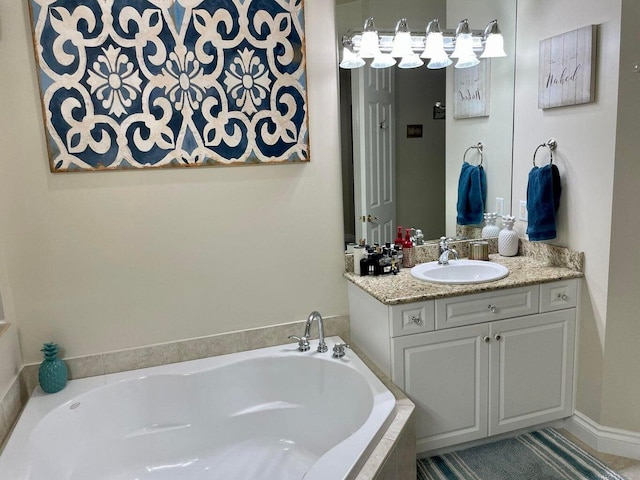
{"x": 53, "y": 371}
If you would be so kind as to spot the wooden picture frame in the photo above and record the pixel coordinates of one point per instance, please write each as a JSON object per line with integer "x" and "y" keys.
{"x": 567, "y": 68}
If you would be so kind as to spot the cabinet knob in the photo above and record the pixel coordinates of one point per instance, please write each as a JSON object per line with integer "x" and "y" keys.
{"x": 417, "y": 320}
{"x": 486, "y": 339}
{"x": 563, "y": 297}
{"x": 493, "y": 308}
{"x": 498, "y": 337}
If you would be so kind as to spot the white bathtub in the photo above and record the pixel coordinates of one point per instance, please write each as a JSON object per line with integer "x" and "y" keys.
{"x": 273, "y": 413}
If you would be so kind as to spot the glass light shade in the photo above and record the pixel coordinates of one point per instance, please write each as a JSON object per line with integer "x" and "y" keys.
{"x": 350, "y": 59}
{"x": 467, "y": 62}
{"x": 442, "y": 61}
{"x": 494, "y": 46}
{"x": 401, "y": 45}
{"x": 411, "y": 61}
{"x": 464, "y": 46}
{"x": 369, "y": 46}
{"x": 434, "y": 46}
{"x": 383, "y": 60}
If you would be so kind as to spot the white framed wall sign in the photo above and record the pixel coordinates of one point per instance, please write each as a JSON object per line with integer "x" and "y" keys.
{"x": 567, "y": 69}
{"x": 472, "y": 90}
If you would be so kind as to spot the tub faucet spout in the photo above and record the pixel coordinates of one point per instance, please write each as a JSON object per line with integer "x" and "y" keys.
{"x": 322, "y": 346}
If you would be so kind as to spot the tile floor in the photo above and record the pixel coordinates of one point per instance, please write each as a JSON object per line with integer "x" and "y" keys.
{"x": 629, "y": 468}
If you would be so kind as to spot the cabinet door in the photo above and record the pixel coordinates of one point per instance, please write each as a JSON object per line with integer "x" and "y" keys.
{"x": 445, "y": 375}
{"x": 531, "y": 370}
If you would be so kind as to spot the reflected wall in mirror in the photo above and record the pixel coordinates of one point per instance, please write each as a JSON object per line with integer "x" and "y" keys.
{"x": 421, "y": 184}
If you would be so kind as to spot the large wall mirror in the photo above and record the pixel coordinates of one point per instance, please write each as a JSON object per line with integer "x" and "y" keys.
{"x": 421, "y": 186}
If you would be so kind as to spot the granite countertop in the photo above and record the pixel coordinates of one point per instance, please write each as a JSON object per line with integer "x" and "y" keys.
{"x": 403, "y": 288}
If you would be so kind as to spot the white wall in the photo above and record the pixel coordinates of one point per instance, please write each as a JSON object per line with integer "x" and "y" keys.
{"x": 494, "y": 131}
{"x": 621, "y": 383}
{"x": 109, "y": 260}
{"x": 585, "y": 157}
{"x": 10, "y": 354}
{"x": 420, "y": 162}
{"x": 10, "y": 359}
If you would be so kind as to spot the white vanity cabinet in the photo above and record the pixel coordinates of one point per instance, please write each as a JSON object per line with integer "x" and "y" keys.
{"x": 491, "y": 362}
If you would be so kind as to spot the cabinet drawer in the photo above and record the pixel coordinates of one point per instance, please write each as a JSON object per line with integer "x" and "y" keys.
{"x": 558, "y": 295}
{"x": 411, "y": 318}
{"x": 485, "y": 307}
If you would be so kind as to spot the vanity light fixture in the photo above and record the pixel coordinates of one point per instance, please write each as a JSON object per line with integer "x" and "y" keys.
{"x": 350, "y": 59}
{"x": 369, "y": 40}
{"x": 464, "y": 46}
{"x": 402, "y": 47}
{"x": 493, "y": 41}
{"x": 435, "y": 45}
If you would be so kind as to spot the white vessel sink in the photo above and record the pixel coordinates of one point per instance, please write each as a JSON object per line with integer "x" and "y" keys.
{"x": 460, "y": 272}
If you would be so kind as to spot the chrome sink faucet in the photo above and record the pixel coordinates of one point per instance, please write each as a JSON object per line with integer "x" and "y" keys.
{"x": 303, "y": 342}
{"x": 322, "y": 346}
{"x": 446, "y": 251}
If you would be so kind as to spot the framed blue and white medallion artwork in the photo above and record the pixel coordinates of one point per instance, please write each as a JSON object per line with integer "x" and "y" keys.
{"x": 132, "y": 84}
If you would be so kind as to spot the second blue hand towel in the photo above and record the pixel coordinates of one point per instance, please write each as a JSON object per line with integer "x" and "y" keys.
{"x": 472, "y": 194}
{"x": 543, "y": 200}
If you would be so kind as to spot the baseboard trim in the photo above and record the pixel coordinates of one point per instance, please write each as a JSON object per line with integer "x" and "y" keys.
{"x": 610, "y": 440}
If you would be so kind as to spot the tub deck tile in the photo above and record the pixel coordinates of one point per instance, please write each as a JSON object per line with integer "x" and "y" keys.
{"x": 211, "y": 346}
{"x": 136, "y": 358}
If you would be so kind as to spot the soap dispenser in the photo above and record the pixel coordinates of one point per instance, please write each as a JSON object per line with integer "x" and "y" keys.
{"x": 408, "y": 251}
{"x": 399, "y": 241}
{"x": 508, "y": 238}
{"x": 490, "y": 230}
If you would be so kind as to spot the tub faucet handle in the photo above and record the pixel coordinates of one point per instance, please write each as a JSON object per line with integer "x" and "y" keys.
{"x": 303, "y": 342}
{"x": 338, "y": 349}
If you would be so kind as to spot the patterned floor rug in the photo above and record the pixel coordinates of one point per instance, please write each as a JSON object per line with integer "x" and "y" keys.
{"x": 541, "y": 455}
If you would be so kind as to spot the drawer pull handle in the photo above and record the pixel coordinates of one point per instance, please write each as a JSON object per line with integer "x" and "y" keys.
{"x": 486, "y": 339}
{"x": 498, "y": 337}
{"x": 417, "y": 320}
{"x": 493, "y": 309}
{"x": 563, "y": 297}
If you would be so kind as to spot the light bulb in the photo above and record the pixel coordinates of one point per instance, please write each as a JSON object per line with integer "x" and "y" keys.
{"x": 410, "y": 61}
{"x": 434, "y": 46}
{"x": 439, "y": 62}
{"x": 467, "y": 62}
{"x": 464, "y": 46}
{"x": 494, "y": 46}
{"x": 383, "y": 60}
{"x": 369, "y": 46}
{"x": 350, "y": 59}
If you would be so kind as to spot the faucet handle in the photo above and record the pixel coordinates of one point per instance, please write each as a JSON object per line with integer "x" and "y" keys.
{"x": 322, "y": 346}
{"x": 303, "y": 342}
{"x": 338, "y": 349}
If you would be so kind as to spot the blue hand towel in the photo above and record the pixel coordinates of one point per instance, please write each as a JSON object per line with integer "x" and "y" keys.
{"x": 543, "y": 200}
{"x": 472, "y": 194}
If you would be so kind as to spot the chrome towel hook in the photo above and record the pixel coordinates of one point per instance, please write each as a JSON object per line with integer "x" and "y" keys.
{"x": 479, "y": 147}
{"x": 551, "y": 145}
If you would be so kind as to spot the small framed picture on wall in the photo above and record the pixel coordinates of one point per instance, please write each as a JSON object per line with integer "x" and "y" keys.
{"x": 567, "y": 68}
{"x": 471, "y": 94}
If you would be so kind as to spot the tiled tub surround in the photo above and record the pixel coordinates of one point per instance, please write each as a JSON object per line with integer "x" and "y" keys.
{"x": 391, "y": 458}
{"x": 536, "y": 263}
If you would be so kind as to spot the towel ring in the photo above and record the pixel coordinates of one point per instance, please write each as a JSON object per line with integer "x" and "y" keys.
{"x": 478, "y": 147}
{"x": 551, "y": 145}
